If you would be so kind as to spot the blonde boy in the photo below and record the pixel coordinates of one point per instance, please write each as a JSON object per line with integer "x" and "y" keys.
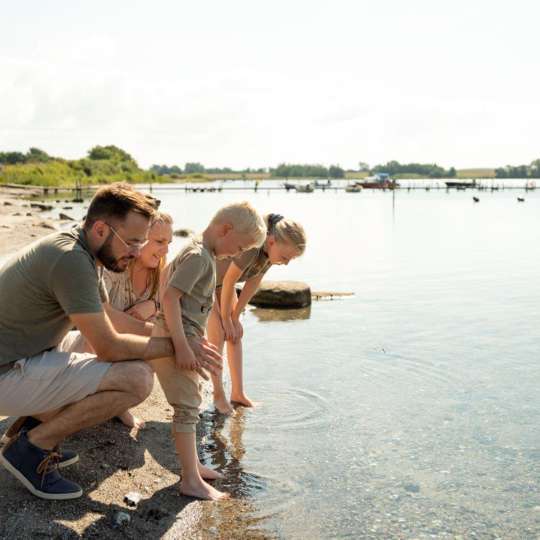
{"x": 187, "y": 300}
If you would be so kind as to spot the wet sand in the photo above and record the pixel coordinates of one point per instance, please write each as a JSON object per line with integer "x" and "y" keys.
{"x": 113, "y": 462}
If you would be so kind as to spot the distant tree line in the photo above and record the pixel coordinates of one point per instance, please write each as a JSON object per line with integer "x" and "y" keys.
{"x": 519, "y": 171}
{"x": 291, "y": 170}
{"x": 199, "y": 168}
{"x": 427, "y": 170}
{"x": 34, "y": 155}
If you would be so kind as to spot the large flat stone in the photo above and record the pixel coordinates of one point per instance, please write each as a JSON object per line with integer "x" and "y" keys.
{"x": 282, "y": 294}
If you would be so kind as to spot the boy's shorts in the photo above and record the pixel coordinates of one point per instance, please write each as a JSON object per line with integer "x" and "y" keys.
{"x": 180, "y": 386}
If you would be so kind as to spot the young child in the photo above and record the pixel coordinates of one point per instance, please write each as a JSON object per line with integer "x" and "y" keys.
{"x": 186, "y": 303}
{"x": 285, "y": 241}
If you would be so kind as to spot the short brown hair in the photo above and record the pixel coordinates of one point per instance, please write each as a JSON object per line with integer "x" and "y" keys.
{"x": 116, "y": 201}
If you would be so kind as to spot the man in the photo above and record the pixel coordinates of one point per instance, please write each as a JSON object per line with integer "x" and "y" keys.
{"x": 45, "y": 290}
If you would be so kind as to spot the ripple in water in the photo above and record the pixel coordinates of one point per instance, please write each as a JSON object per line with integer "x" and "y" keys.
{"x": 386, "y": 366}
{"x": 288, "y": 408}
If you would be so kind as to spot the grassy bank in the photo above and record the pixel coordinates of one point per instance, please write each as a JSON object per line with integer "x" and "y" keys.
{"x": 68, "y": 173}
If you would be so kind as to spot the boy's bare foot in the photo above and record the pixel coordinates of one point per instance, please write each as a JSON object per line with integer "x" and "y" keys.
{"x": 222, "y": 405}
{"x": 207, "y": 473}
{"x": 201, "y": 490}
{"x": 131, "y": 421}
{"x": 242, "y": 400}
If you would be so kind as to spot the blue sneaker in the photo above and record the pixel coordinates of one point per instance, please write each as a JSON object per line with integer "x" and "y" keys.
{"x": 67, "y": 457}
{"x": 37, "y": 469}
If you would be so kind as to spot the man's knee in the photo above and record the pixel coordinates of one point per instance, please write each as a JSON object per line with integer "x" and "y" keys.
{"x": 142, "y": 378}
{"x": 135, "y": 377}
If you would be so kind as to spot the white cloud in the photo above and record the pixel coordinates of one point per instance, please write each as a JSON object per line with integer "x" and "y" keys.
{"x": 311, "y": 82}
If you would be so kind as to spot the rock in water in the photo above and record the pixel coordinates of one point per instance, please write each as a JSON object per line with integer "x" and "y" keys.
{"x": 65, "y": 217}
{"x": 282, "y": 294}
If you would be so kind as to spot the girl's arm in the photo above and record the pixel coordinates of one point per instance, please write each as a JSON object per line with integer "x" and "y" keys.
{"x": 228, "y": 297}
{"x": 250, "y": 287}
{"x": 185, "y": 359}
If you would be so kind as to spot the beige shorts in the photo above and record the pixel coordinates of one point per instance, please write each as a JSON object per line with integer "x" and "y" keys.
{"x": 182, "y": 387}
{"x": 50, "y": 380}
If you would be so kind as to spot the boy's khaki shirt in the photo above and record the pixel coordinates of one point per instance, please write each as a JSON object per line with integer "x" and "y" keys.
{"x": 193, "y": 271}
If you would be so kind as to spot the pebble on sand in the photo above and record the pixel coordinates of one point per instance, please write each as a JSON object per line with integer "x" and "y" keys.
{"x": 132, "y": 498}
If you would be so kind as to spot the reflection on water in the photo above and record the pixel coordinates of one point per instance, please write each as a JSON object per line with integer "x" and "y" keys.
{"x": 266, "y": 315}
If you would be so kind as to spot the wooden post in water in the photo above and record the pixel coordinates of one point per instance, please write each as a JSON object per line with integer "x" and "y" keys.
{"x": 78, "y": 191}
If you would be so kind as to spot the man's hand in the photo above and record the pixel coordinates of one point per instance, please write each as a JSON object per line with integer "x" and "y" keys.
{"x": 207, "y": 355}
{"x": 186, "y": 359}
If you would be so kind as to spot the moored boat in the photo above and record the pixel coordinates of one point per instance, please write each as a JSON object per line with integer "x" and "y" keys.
{"x": 379, "y": 181}
{"x": 461, "y": 185}
{"x": 304, "y": 188}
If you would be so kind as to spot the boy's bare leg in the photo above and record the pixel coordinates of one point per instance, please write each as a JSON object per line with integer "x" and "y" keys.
{"x": 235, "y": 360}
{"x": 125, "y": 385}
{"x": 192, "y": 482}
{"x": 207, "y": 473}
{"x": 215, "y": 334}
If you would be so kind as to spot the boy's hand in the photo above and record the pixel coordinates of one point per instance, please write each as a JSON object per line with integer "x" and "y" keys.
{"x": 207, "y": 356}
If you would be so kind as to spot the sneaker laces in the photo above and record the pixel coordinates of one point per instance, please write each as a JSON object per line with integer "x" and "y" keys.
{"x": 48, "y": 465}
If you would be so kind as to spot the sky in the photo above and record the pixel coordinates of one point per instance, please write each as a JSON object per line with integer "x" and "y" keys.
{"x": 254, "y": 84}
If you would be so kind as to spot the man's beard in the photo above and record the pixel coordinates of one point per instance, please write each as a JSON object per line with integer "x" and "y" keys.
{"x": 108, "y": 260}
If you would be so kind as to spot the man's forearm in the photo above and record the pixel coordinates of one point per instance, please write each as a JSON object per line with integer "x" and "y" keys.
{"x": 158, "y": 347}
{"x": 132, "y": 347}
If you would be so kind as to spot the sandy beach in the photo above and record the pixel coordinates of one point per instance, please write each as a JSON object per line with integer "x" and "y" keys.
{"x": 113, "y": 460}
{"x": 20, "y": 224}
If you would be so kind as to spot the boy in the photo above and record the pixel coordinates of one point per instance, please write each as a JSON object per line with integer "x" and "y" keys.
{"x": 186, "y": 303}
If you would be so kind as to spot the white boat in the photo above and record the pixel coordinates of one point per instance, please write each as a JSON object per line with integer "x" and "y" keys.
{"x": 306, "y": 188}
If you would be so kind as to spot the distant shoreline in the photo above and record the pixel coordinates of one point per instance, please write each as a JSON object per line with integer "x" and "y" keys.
{"x": 472, "y": 174}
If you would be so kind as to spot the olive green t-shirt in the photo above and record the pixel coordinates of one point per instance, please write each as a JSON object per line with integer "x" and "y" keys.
{"x": 253, "y": 262}
{"x": 193, "y": 271}
{"x": 40, "y": 287}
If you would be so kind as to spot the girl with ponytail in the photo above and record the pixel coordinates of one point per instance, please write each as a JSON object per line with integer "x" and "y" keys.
{"x": 285, "y": 241}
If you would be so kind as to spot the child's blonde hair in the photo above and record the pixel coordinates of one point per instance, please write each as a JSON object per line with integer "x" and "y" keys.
{"x": 245, "y": 220}
{"x": 286, "y": 231}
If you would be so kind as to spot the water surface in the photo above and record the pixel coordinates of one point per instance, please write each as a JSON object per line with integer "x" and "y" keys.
{"x": 410, "y": 410}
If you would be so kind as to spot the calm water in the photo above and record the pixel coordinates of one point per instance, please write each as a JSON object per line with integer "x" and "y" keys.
{"x": 410, "y": 410}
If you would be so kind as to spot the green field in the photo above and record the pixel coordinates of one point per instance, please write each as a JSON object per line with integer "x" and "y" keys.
{"x": 476, "y": 173}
